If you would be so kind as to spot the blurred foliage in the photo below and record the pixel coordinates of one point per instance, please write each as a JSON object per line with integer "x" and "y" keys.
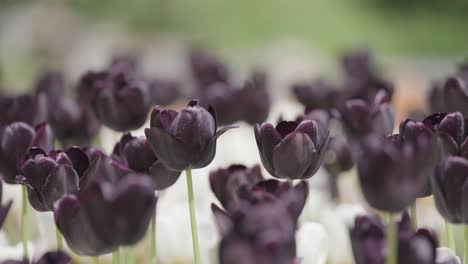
{"x": 415, "y": 26}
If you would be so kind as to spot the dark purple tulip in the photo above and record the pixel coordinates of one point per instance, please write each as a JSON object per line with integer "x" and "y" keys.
{"x": 105, "y": 216}
{"x": 126, "y": 63}
{"x": 394, "y": 172}
{"x": 52, "y": 84}
{"x": 357, "y": 62}
{"x": 122, "y": 103}
{"x": 136, "y": 154}
{"x": 450, "y": 193}
{"x": 317, "y": 94}
{"x": 254, "y": 99}
{"x": 73, "y": 122}
{"x": 339, "y": 157}
{"x": 361, "y": 118}
{"x": 435, "y": 98}
{"x": 27, "y": 108}
{"x": 292, "y": 150}
{"x": 15, "y": 140}
{"x": 51, "y": 257}
{"x": 261, "y": 233}
{"x": 164, "y": 92}
{"x": 226, "y": 183}
{"x": 369, "y": 243}
{"x": 4, "y": 209}
{"x": 89, "y": 84}
{"x": 185, "y": 139}
{"x": 452, "y": 130}
{"x": 455, "y": 93}
{"x": 227, "y": 104}
{"x": 206, "y": 68}
{"x": 48, "y": 177}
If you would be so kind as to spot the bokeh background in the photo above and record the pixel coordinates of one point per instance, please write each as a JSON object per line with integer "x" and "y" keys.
{"x": 414, "y": 42}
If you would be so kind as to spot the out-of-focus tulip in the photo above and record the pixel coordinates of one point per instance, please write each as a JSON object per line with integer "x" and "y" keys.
{"x": 339, "y": 157}
{"x": 105, "y": 216}
{"x": 226, "y": 183}
{"x": 369, "y": 243}
{"x": 455, "y": 93}
{"x": 163, "y": 92}
{"x": 15, "y": 140}
{"x": 52, "y": 84}
{"x": 51, "y": 257}
{"x": 27, "y": 108}
{"x": 48, "y": 177}
{"x": 450, "y": 193}
{"x": 185, "y": 139}
{"x": 292, "y": 150}
{"x": 206, "y": 68}
{"x": 361, "y": 118}
{"x": 317, "y": 94}
{"x": 4, "y": 209}
{"x": 223, "y": 98}
{"x": 135, "y": 154}
{"x": 394, "y": 172}
{"x": 254, "y": 98}
{"x": 262, "y": 232}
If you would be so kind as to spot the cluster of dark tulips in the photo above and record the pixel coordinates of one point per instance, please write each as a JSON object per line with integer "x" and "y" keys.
{"x": 102, "y": 202}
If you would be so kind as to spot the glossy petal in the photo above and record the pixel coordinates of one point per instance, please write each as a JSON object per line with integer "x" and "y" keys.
{"x": 163, "y": 177}
{"x": 170, "y": 151}
{"x": 267, "y": 138}
{"x": 62, "y": 180}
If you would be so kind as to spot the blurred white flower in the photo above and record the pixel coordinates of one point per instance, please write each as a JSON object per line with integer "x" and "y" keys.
{"x": 312, "y": 243}
{"x": 446, "y": 256}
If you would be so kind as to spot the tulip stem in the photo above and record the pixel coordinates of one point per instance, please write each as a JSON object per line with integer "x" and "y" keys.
{"x": 291, "y": 182}
{"x": 193, "y": 218}
{"x": 59, "y": 238}
{"x": 450, "y": 236}
{"x": 414, "y": 216}
{"x": 116, "y": 256}
{"x": 96, "y": 260}
{"x": 153, "y": 240}
{"x": 465, "y": 232}
{"x": 391, "y": 241}
{"x": 24, "y": 222}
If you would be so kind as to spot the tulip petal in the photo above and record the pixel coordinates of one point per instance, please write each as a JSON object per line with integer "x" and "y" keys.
{"x": 267, "y": 138}
{"x": 222, "y": 219}
{"x": 163, "y": 177}
{"x": 169, "y": 150}
{"x": 79, "y": 159}
{"x": 44, "y": 138}
{"x": 62, "y": 180}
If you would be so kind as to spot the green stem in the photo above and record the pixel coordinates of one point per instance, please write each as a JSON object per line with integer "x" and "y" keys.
{"x": 59, "y": 238}
{"x": 25, "y": 222}
{"x": 96, "y": 260}
{"x": 153, "y": 239}
{"x": 291, "y": 182}
{"x": 193, "y": 218}
{"x": 116, "y": 256}
{"x": 414, "y": 216}
{"x": 450, "y": 236}
{"x": 465, "y": 232}
{"x": 391, "y": 242}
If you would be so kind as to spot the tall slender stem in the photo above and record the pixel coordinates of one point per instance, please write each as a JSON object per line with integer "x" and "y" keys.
{"x": 291, "y": 182}
{"x": 116, "y": 256}
{"x": 450, "y": 236}
{"x": 465, "y": 233}
{"x": 193, "y": 218}
{"x": 153, "y": 259}
{"x": 25, "y": 222}
{"x": 391, "y": 242}
{"x": 59, "y": 238}
{"x": 96, "y": 260}
{"x": 414, "y": 216}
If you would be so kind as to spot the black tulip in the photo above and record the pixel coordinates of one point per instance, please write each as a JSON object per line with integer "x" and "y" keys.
{"x": 52, "y": 84}
{"x": 293, "y": 150}
{"x": 27, "y": 108}
{"x": 164, "y": 92}
{"x": 185, "y": 139}
{"x": 254, "y": 98}
{"x": 106, "y": 215}
{"x": 224, "y": 100}
{"x": 136, "y": 154}
{"x": 317, "y": 94}
{"x": 206, "y": 68}
{"x": 15, "y": 140}
{"x": 51, "y": 257}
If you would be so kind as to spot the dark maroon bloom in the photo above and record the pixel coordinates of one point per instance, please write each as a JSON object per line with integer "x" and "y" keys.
{"x": 261, "y": 233}
{"x": 225, "y": 102}
{"x": 435, "y": 98}
{"x": 361, "y": 118}
{"x": 339, "y": 156}
{"x": 394, "y": 172}
{"x": 105, "y": 216}
{"x": 15, "y": 140}
{"x": 185, "y": 139}
{"x": 52, "y": 84}
{"x": 48, "y": 177}
{"x": 136, "y": 154}
{"x": 254, "y": 99}
{"x": 51, "y": 257}
{"x": 450, "y": 193}
{"x": 122, "y": 103}
{"x": 293, "y": 150}
{"x": 206, "y": 68}
{"x": 4, "y": 209}
{"x": 455, "y": 93}
{"x": 452, "y": 130}
{"x": 317, "y": 94}
{"x": 369, "y": 243}
{"x": 27, "y": 108}
{"x": 164, "y": 92}
{"x": 73, "y": 122}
